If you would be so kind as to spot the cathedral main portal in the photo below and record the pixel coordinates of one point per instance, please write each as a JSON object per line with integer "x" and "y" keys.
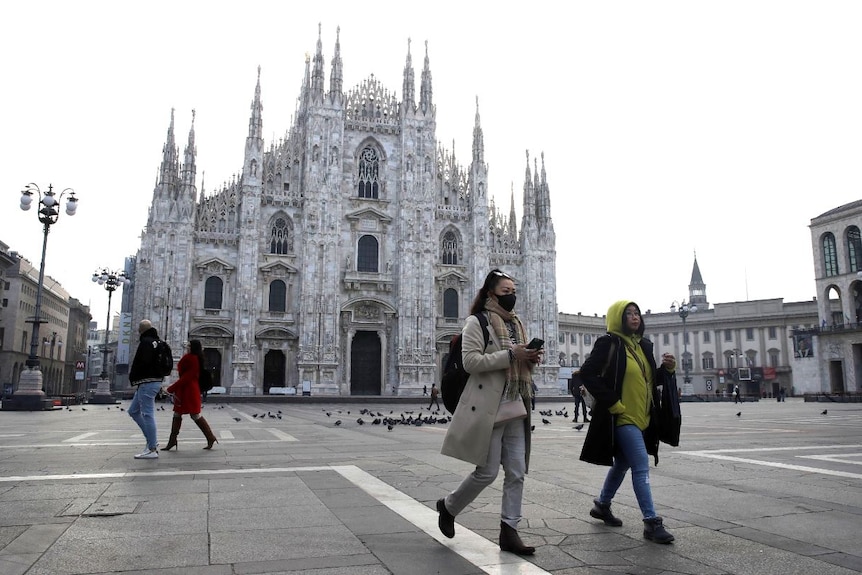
{"x": 365, "y": 364}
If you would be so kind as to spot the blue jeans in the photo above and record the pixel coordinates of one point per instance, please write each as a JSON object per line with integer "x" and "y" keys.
{"x": 631, "y": 454}
{"x": 143, "y": 408}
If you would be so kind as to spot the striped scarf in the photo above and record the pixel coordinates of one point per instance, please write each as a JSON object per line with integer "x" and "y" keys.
{"x": 519, "y": 377}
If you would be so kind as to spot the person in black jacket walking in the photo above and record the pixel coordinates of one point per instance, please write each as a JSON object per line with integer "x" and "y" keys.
{"x": 145, "y": 376}
{"x": 622, "y": 376}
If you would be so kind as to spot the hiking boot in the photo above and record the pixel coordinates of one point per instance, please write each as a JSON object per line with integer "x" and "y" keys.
{"x": 655, "y": 531}
{"x": 603, "y": 511}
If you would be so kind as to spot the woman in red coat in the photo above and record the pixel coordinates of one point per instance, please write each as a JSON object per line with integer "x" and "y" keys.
{"x": 187, "y": 395}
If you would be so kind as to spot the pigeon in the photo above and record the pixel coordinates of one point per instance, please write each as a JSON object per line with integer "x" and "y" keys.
{"x": 328, "y": 414}
{"x": 545, "y": 421}
{"x": 532, "y": 428}
{"x": 738, "y": 414}
{"x": 83, "y": 409}
{"x": 360, "y": 421}
{"x": 579, "y": 426}
{"x": 824, "y": 412}
{"x": 389, "y": 427}
{"x": 237, "y": 419}
{"x": 337, "y": 422}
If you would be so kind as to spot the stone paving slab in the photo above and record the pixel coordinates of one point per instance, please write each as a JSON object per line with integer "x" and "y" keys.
{"x": 300, "y": 495}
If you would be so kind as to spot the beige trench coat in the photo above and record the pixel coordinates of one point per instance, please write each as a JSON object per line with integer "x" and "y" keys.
{"x": 469, "y": 435}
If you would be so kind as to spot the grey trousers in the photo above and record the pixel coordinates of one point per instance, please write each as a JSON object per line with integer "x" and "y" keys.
{"x": 508, "y": 447}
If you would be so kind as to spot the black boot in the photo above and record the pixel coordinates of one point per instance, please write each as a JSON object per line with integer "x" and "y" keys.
{"x": 655, "y": 531}
{"x": 603, "y": 511}
{"x": 176, "y": 422}
{"x": 208, "y": 433}
{"x": 511, "y": 541}
{"x": 446, "y": 521}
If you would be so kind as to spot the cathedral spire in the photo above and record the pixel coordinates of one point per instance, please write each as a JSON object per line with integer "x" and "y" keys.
{"x": 529, "y": 216}
{"x": 478, "y": 139}
{"x": 425, "y": 103}
{"x": 336, "y": 76}
{"x": 253, "y": 162}
{"x": 255, "y": 122}
{"x": 189, "y": 168}
{"x": 317, "y": 73}
{"x": 408, "y": 89}
{"x": 169, "y": 171}
{"x": 513, "y": 222}
{"x": 544, "y": 197}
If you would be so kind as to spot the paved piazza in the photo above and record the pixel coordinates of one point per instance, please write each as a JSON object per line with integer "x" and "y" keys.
{"x": 776, "y": 489}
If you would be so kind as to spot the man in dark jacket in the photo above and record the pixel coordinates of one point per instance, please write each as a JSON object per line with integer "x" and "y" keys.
{"x": 146, "y": 377}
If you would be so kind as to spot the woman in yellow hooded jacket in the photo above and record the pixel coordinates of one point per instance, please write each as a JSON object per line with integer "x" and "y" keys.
{"x": 622, "y": 376}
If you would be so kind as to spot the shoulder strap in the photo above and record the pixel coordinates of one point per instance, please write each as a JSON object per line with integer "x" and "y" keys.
{"x": 611, "y": 352}
{"x": 483, "y": 323}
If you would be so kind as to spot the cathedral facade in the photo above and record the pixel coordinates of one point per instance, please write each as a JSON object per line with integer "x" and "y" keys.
{"x": 342, "y": 258}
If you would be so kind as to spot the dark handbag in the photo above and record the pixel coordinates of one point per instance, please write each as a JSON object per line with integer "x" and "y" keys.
{"x": 510, "y": 410}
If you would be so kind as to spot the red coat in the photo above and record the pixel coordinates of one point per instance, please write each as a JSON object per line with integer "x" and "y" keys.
{"x": 187, "y": 394}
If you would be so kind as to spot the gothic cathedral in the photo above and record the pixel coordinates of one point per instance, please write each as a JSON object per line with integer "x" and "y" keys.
{"x": 344, "y": 257}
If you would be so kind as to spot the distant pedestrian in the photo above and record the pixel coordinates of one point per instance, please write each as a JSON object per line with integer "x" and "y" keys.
{"x": 146, "y": 377}
{"x": 424, "y": 390}
{"x": 435, "y": 394}
{"x": 578, "y": 392}
{"x": 533, "y": 399}
{"x": 187, "y": 395}
{"x": 736, "y": 394}
{"x": 782, "y": 393}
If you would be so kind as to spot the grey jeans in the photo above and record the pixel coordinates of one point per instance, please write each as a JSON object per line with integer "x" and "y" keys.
{"x": 508, "y": 447}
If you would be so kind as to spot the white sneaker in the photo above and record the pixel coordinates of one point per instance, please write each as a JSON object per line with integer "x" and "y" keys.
{"x": 148, "y": 454}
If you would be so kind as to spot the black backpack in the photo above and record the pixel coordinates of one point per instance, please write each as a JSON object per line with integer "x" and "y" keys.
{"x": 164, "y": 358}
{"x": 454, "y": 377}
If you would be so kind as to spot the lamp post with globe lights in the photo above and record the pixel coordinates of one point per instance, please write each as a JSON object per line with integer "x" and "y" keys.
{"x": 29, "y": 396}
{"x": 683, "y": 310}
{"x": 110, "y": 280}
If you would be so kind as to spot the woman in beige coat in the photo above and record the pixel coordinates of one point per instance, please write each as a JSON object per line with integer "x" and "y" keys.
{"x": 499, "y": 373}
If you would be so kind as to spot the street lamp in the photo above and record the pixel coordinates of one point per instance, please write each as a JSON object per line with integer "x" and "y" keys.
{"x": 110, "y": 280}
{"x": 684, "y": 309}
{"x": 29, "y": 395}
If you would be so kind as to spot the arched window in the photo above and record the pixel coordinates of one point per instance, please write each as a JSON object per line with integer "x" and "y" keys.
{"x": 280, "y": 240}
{"x": 575, "y": 360}
{"x": 854, "y": 248}
{"x": 449, "y": 250}
{"x": 277, "y": 296}
{"x": 830, "y": 256}
{"x": 369, "y": 173}
{"x": 366, "y": 260}
{"x": 213, "y": 292}
{"x": 450, "y": 303}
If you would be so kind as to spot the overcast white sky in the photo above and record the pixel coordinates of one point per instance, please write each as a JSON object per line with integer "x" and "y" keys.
{"x": 667, "y": 127}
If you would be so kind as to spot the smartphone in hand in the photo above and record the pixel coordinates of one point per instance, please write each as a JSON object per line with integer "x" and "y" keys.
{"x": 536, "y": 343}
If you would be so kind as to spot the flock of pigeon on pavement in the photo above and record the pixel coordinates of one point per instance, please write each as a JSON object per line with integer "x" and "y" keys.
{"x": 390, "y": 421}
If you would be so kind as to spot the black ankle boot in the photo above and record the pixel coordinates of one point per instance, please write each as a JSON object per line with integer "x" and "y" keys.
{"x": 511, "y": 541}
{"x": 603, "y": 511}
{"x": 655, "y": 531}
{"x": 446, "y": 521}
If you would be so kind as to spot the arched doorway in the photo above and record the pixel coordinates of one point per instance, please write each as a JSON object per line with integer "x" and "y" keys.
{"x": 212, "y": 363}
{"x": 273, "y": 369}
{"x": 365, "y": 363}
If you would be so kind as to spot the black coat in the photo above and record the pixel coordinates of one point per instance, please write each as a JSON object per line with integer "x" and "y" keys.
{"x": 599, "y": 445}
{"x": 144, "y": 366}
